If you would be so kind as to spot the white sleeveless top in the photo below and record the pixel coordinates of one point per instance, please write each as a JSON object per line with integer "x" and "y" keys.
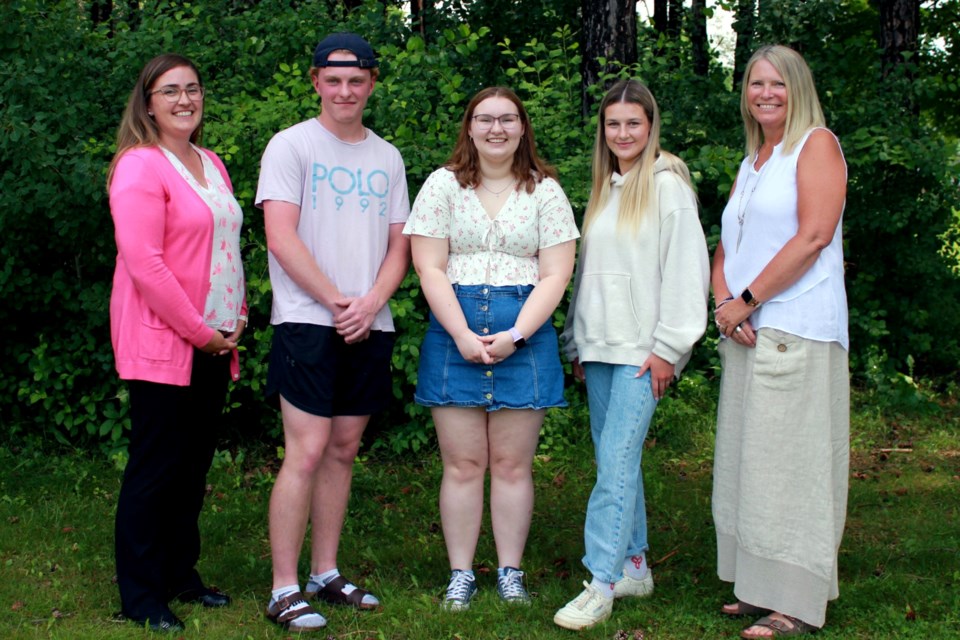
{"x": 815, "y": 306}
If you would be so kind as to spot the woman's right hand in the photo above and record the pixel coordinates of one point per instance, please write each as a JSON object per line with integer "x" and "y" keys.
{"x": 219, "y": 345}
{"x": 472, "y": 348}
{"x": 578, "y": 370}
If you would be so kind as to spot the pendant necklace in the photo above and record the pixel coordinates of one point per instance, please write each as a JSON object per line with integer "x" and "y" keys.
{"x": 741, "y": 205}
{"x": 496, "y": 193}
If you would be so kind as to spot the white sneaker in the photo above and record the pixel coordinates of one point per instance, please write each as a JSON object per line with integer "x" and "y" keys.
{"x": 627, "y": 587}
{"x": 588, "y": 609}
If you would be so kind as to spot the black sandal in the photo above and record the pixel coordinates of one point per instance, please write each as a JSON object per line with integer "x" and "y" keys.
{"x": 780, "y": 628}
{"x": 744, "y": 609}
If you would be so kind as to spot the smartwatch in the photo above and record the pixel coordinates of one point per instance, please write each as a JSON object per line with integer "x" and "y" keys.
{"x": 518, "y": 341}
{"x": 748, "y": 297}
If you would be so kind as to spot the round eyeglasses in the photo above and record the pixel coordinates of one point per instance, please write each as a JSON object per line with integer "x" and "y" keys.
{"x": 507, "y": 120}
{"x": 171, "y": 93}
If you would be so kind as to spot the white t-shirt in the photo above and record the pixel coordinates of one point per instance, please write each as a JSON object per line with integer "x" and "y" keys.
{"x": 494, "y": 251}
{"x": 349, "y": 194}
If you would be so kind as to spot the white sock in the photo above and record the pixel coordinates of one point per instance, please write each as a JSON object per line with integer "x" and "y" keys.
{"x": 284, "y": 591}
{"x": 636, "y": 566}
{"x": 323, "y": 578}
{"x": 605, "y": 588}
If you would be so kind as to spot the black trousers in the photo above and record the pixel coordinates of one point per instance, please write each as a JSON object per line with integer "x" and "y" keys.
{"x": 174, "y": 435}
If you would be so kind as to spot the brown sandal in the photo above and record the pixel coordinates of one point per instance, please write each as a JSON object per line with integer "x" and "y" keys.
{"x": 779, "y": 627}
{"x": 282, "y": 612}
{"x": 741, "y": 608}
{"x": 333, "y": 593}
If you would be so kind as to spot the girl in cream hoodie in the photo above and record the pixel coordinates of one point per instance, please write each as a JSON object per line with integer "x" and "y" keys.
{"x": 639, "y": 305}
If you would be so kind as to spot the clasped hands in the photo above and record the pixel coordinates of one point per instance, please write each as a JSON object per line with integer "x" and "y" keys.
{"x": 731, "y": 318}
{"x": 489, "y": 349}
{"x": 353, "y": 317}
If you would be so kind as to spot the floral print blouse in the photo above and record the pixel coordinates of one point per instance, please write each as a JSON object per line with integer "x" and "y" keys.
{"x": 498, "y": 251}
{"x": 227, "y": 286}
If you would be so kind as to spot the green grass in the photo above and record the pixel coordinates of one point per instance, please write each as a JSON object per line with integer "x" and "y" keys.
{"x": 900, "y": 559}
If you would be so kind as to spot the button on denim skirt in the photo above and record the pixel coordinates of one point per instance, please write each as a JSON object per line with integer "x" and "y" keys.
{"x": 531, "y": 378}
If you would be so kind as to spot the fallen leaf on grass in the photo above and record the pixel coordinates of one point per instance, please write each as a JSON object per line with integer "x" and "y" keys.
{"x": 16, "y": 606}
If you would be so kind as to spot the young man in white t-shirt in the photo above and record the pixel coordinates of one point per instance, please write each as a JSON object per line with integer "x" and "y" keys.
{"x": 334, "y": 197}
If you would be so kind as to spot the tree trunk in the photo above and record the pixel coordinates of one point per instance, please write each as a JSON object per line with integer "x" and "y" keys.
{"x": 609, "y": 31}
{"x": 420, "y": 11}
{"x": 674, "y": 17}
{"x": 660, "y": 16}
{"x": 699, "y": 41}
{"x": 744, "y": 25}
{"x": 101, "y": 12}
{"x": 899, "y": 29}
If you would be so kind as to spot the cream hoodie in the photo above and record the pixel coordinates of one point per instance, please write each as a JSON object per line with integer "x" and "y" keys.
{"x": 643, "y": 293}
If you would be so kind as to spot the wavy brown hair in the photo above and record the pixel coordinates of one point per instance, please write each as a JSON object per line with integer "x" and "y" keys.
{"x": 138, "y": 128}
{"x": 528, "y": 168}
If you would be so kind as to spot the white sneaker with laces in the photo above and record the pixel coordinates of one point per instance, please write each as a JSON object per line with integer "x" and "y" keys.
{"x": 588, "y": 609}
{"x": 627, "y": 587}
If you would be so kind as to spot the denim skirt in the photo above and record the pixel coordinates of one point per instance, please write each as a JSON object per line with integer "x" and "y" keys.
{"x": 531, "y": 378}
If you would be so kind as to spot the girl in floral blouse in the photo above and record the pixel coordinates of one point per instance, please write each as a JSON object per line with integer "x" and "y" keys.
{"x": 493, "y": 241}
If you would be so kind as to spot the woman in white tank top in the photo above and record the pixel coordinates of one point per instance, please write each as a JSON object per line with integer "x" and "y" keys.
{"x": 782, "y": 450}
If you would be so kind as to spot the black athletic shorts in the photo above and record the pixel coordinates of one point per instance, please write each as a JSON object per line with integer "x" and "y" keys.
{"x": 317, "y": 372}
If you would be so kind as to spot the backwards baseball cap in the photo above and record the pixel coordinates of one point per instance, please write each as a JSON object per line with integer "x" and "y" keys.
{"x": 366, "y": 58}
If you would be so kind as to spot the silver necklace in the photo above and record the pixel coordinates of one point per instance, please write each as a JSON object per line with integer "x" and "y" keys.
{"x": 741, "y": 205}
{"x": 496, "y": 193}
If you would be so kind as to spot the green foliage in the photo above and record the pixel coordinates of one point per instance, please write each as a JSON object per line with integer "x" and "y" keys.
{"x": 64, "y": 81}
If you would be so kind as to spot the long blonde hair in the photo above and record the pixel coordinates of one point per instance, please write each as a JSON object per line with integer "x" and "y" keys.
{"x": 639, "y": 191}
{"x": 803, "y": 105}
{"x": 138, "y": 128}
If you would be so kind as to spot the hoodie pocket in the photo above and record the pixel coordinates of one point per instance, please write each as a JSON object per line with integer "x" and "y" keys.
{"x": 607, "y": 313}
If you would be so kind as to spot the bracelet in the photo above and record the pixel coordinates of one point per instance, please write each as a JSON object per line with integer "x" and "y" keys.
{"x": 723, "y": 302}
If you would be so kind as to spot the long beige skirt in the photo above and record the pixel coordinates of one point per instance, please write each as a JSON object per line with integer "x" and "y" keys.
{"x": 780, "y": 473}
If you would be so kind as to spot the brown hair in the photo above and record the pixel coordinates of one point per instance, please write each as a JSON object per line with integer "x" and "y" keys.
{"x": 138, "y": 128}
{"x": 528, "y": 168}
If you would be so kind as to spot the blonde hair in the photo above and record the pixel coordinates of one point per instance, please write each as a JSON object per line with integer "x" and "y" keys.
{"x": 639, "y": 191}
{"x": 138, "y": 128}
{"x": 803, "y": 105}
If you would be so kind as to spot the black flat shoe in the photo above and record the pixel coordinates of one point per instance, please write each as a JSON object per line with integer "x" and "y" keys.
{"x": 210, "y": 598}
{"x": 162, "y": 621}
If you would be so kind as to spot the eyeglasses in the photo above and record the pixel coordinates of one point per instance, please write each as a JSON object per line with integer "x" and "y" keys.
{"x": 171, "y": 92}
{"x": 507, "y": 120}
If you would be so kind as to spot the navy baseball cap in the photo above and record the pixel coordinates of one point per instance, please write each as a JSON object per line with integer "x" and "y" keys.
{"x": 366, "y": 58}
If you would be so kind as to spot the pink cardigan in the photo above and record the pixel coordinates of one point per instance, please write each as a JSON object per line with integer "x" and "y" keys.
{"x": 164, "y": 234}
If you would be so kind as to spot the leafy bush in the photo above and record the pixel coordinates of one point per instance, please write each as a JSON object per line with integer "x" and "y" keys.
{"x": 64, "y": 81}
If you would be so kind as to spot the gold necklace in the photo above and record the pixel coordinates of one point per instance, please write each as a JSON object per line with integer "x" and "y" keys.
{"x": 497, "y": 193}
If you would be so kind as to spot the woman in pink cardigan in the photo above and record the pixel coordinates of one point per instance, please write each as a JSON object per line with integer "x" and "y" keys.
{"x": 177, "y": 311}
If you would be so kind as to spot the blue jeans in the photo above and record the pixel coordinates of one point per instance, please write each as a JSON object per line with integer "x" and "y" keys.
{"x": 621, "y": 407}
